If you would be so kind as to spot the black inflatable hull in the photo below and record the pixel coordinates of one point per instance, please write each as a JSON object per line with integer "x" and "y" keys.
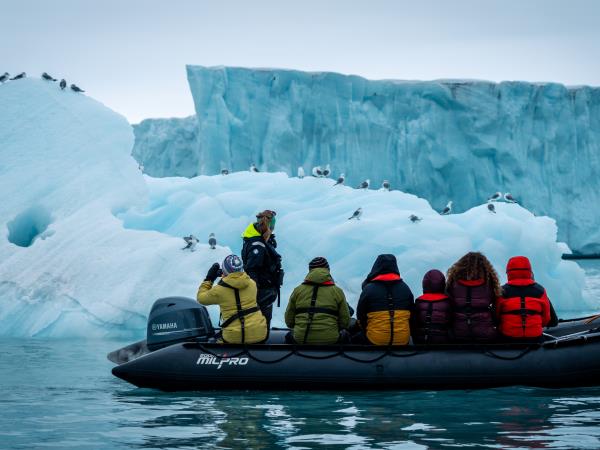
{"x": 563, "y": 362}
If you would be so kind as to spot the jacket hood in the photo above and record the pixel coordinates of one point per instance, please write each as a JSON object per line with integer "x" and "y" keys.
{"x": 519, "y": 268}
{"x": 319, "y": 275}
{"x": 238, "y": 280}
{"x": 383, "y": 264}
{"x": 250, "y": 232}
{"x": 434, "y": 282}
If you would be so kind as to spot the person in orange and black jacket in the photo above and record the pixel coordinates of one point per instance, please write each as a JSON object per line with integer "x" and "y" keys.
{"x": 384, "y": 306}
{"x": 524, "y": 308}
{"x": 432, "y": 313}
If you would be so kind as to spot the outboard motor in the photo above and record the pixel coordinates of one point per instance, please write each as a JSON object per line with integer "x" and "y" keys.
{"x": 177, "y": 319}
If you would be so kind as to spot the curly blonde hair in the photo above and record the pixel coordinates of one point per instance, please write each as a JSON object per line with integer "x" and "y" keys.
{"x": 474, "y": 266}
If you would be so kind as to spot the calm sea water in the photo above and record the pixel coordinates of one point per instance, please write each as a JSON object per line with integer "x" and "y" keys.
{"x": 60, "y": 394}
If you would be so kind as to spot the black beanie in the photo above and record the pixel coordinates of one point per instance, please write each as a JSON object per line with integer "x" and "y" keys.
{"x": 319, "y": 261}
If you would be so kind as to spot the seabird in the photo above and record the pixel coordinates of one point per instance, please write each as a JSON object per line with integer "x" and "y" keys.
{"x": 18, "y": 77}
{"x": 385, "y": 185}
{"x": 191, "y": 242}
{"x": 76, "y": 88}
{"x": 327, "y": 171}
{"x": 509, "y": 198}
{"x": 224, "y": 172}
{"x": 491, "y": 207}
{"x": 356, "y": 215}
{"x": 300, "y": 172}
{"x": 212, "y": 241}
{"x": 340, "y": 179}
{"x": 496, "y": 196}
{"x": 4, "y": 77}
{"x": 63, "y": 84}
{"x": 364, "y": 185}
{"x": 253, "y": 168}
{"x": 448, "y": 209}
{"x": 141, "y": 167}
{"x": 415, "y": 219}
{"x": 45, "y": 76}
{"x": 317, "y": 171}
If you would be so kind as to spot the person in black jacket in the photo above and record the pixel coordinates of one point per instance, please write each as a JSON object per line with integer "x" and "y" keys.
{"x": 385, "y": 305}
{"x": 262, "y": 262}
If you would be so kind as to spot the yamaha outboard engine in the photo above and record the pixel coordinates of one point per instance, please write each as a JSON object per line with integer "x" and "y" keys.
{"x": 177, "y": 319}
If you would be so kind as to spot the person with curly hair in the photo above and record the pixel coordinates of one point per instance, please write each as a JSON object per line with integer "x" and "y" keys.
{"x": 473, "y": 287}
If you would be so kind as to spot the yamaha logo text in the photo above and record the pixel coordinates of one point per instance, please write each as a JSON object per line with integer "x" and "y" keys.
{"x": 211, "y": 360}
{"x": 164, "y": 326}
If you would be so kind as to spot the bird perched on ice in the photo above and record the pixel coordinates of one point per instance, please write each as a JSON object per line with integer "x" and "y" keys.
{"x": 385, "y": 185}
{"x": 495, "y": 197}
{"x": 141, "y": 167}
{"x": 317, "y": 171}
{"x": 327, "y": 171}
{"x": 76, "y": 88}
{"x": 356, "y": 214}
{"x": 340, "y": 179}
{"x": 190, "y": 242}
{"x": 4, "y": 77}
{"x": 300, "y": 172}
{"x": 47, "y": 77}
{"x": 364, "y": 185}
{"x": 415, "y": 219}
{"x": 63, "y": 84}
{"x": 253, "y": 168}
{"x": 18, "y": 77}
{"x": 224, "y": 171}
{"x": 212, "y": 241}
{"x": 448, "y": 209}
{"x": 491, "y": 207}
{"x": 509, "y": 198}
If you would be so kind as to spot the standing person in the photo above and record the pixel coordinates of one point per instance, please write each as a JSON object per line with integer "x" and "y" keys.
{"x": 262, "y": 262}
{"x": 242, "y": 321}
{"x": 432, "y": 314}
{"x": 317, "y": 310}
{"x": 384, "y": 306}
{"x": 524, "y": 309}
{"x": 473, "y": 286}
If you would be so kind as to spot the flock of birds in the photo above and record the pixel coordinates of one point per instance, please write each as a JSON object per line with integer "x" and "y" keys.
{"x": 45, "y": 76}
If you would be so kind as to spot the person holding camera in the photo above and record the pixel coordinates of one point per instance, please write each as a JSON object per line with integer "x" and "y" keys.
{"x": 241, "y": 319}
{"x": 262, "y": 262}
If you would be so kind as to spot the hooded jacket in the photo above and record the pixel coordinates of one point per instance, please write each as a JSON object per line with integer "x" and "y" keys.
{"x": 261, "y": 261}
{"x": 385, "y": 300}
{"x": 472, "y": 303}
{"x": 432, "y": 314}
{"x": 524, "y": 308}
{"x": 331, "y": 313}
{"x": 255, "y": 325}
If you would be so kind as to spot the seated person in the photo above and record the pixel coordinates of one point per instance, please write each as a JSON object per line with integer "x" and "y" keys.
{"x": 431, "y": 315}
{"x": 384, "y": 306}
{"x": 524, "y": 309}
{"x": 243, "y": 323}
{"x": 317, "y": 310}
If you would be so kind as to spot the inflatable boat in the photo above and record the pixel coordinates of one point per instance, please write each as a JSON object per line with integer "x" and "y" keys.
{"x": 181, "y": 353}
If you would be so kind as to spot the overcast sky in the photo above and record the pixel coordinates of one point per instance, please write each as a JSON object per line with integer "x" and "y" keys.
{"x": 131, "y": 54}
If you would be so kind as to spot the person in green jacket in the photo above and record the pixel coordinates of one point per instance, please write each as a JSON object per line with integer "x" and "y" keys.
{"x": 317, "y": 310}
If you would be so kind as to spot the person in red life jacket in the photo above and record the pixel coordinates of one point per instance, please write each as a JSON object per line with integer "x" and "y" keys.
{"x": 384, "y": 305}
{"x": 472, "y": 285}
{"x": 432, "y": 314}
{"x": 524, "y": 309}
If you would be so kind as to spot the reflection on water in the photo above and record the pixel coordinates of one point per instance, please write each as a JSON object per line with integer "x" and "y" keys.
{"x": 61, "y": 394}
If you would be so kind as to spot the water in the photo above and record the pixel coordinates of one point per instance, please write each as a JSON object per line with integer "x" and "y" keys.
{"x": 60, "y": 394}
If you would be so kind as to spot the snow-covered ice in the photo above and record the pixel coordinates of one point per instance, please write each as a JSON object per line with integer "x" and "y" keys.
{"x": 88, "y": 242}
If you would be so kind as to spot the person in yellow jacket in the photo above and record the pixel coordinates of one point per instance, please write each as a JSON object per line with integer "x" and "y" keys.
{"x": 242, "y": 321}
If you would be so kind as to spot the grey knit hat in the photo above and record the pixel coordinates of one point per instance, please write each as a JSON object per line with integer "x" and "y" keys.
{"x": 319, "y": 261}
{"x": 232, "y": 263}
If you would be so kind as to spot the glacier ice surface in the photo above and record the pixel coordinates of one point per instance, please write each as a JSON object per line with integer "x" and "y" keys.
{"x": 108, "y": 238}
{"x": 441, "y": 140}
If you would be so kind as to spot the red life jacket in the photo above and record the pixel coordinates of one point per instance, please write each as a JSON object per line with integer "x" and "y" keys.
{"x": 524, "y": 309}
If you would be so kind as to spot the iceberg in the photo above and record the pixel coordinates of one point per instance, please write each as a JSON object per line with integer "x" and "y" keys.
{"x": 442, "y": 140}
{"x": 89, "y": 242}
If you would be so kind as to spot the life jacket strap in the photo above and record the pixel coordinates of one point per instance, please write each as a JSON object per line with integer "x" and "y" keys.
{"x": 311, "y": 314}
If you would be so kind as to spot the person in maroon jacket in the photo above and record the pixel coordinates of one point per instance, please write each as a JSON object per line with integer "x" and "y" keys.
{"x": 524, "y": 309}
{"x": 473, "y": 286}
{"x": 432, "y": 314}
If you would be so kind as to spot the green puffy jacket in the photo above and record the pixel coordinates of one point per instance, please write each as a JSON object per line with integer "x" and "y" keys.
{"x": 325, "y": 326}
